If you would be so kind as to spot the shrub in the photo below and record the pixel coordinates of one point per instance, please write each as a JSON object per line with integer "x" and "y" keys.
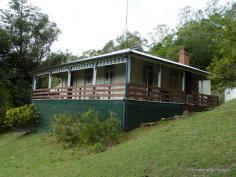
{"x": 66, "y": 130}
{"x": 87, "y": 128}
{"x": 98, "y": 147}
{"x": 91, "y": 127}
{"x": 112, "y": 129}
{"x": 21, "y": 117}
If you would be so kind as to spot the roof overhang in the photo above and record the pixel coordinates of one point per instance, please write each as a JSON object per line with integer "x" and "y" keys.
{"x": 170, "y": 62}
{"x": 124, "y": 53}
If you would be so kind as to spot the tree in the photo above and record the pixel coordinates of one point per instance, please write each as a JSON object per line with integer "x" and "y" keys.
{"x": 201, "y": 41}
{"x": 4, "y": 45}
{"x": 197, "y": 37}
{"x": 90, "y": 53}
{"x": 108, "y": 47}
{"x": 186, "y": 15}
{"x": 223, "y": 66}
{"x": 121, "y": 42}
{"x": 29, "y": 35}
{"x": 130, "y": 40}
{"x": 57, "y": 58}
{"x": 200, "y": 32}
{"x": 166, "y": 48}
{"x": 159, "y": 33}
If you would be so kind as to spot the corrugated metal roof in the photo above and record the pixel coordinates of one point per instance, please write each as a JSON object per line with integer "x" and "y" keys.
{"x": 168, "y": 61}
{"x": 127, "y": 51}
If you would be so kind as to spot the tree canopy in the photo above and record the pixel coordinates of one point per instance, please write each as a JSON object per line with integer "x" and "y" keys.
{"x": 223, "y": 67}
{"x": 209, "y": 35}
{"x": 57, "y": 58}
{"x": 123, "y": 41}
{"x": 26, "y": 35}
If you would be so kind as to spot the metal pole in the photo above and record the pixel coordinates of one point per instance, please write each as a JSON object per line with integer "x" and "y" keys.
{"x": 126, "y": 22}
{"x": 127, "y": 81}
{"x": 128, "y": 70}
{"x": 50, "y": 80}
{"x": 34, "y": 82}
{"x": 183, "y": 82}
{"x": 69, "y": 78}
{"x": 159, "y": 77}
{"x": 202, "y": 83}
{"x": 94, "y": 73}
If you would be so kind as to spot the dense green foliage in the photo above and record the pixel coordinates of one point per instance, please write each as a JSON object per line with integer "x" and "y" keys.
{"x": 87, "y": 128}
{"x": 171, "y": 148}
{"x": 209, "y": 35}
{"x": 21, "y": 117}
{"x": 195, "y": 32}
{"x": 56, "y": 58}
{"x": 26, "y": 35}
{"x": 67, "y": 130}
{"x": 223, "y": 66}
{"x": 129, "y": 40}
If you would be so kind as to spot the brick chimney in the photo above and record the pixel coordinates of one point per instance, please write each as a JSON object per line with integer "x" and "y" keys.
{"x": 183, "y": 56}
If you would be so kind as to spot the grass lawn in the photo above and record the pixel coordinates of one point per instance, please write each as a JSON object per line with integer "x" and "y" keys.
{"x": 171, "y": 148}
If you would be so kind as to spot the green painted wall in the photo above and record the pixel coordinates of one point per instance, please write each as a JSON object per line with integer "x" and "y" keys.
{"x": 137, "y": 111}
{"x": 141, "y": 111}
{"x": 49, "y": 108}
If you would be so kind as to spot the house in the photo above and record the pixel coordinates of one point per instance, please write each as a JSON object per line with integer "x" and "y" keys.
{"x": 137, "y": 86}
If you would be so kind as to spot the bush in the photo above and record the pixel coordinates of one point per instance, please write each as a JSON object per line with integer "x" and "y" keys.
{"x": 112, "y": 129}
{"x": 87, "y": 128}
{"x": 98, "y": 147}
{"x": 67, "y": 130}
{"x": 21, "y": 117}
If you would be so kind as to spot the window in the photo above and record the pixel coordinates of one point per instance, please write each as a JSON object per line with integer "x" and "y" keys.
{"x": 88, "y": 76}
{"x": 109, "y": 74}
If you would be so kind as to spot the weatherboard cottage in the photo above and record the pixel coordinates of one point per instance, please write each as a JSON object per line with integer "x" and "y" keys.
{"x": 137, "y": 86}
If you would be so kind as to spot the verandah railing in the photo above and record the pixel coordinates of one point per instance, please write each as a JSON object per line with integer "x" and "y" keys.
{"x": 120, "y": 91}
{"x": 203, "y": 100}
{"x": 140, "y": 92}
{"x": 99, "y": 91}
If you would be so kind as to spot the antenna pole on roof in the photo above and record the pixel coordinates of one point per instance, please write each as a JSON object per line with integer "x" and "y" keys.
{"x": 126, "y": 22}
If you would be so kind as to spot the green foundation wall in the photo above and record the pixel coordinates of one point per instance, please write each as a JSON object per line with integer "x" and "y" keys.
{"x": 137, "y": 112}
{"x": 50, "y": 108}
{"x": 141, "y": 111}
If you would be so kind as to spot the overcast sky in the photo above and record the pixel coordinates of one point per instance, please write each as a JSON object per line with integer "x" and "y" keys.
{"x": 89, "y": 24}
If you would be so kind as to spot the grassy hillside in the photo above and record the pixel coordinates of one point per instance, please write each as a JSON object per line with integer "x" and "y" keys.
{"x": 171, "y": 148}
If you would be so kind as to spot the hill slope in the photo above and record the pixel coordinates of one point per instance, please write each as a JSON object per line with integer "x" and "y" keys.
{"x": 171, "y": 148}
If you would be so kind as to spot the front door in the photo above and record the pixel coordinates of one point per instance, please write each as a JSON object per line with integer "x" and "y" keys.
{"x": 148, "y": 75}
{"x": 72, "y": 80}
{"x": 88, "y": 76}
{"x": 148, "y": 79}
{"x": 109, "y": 74}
